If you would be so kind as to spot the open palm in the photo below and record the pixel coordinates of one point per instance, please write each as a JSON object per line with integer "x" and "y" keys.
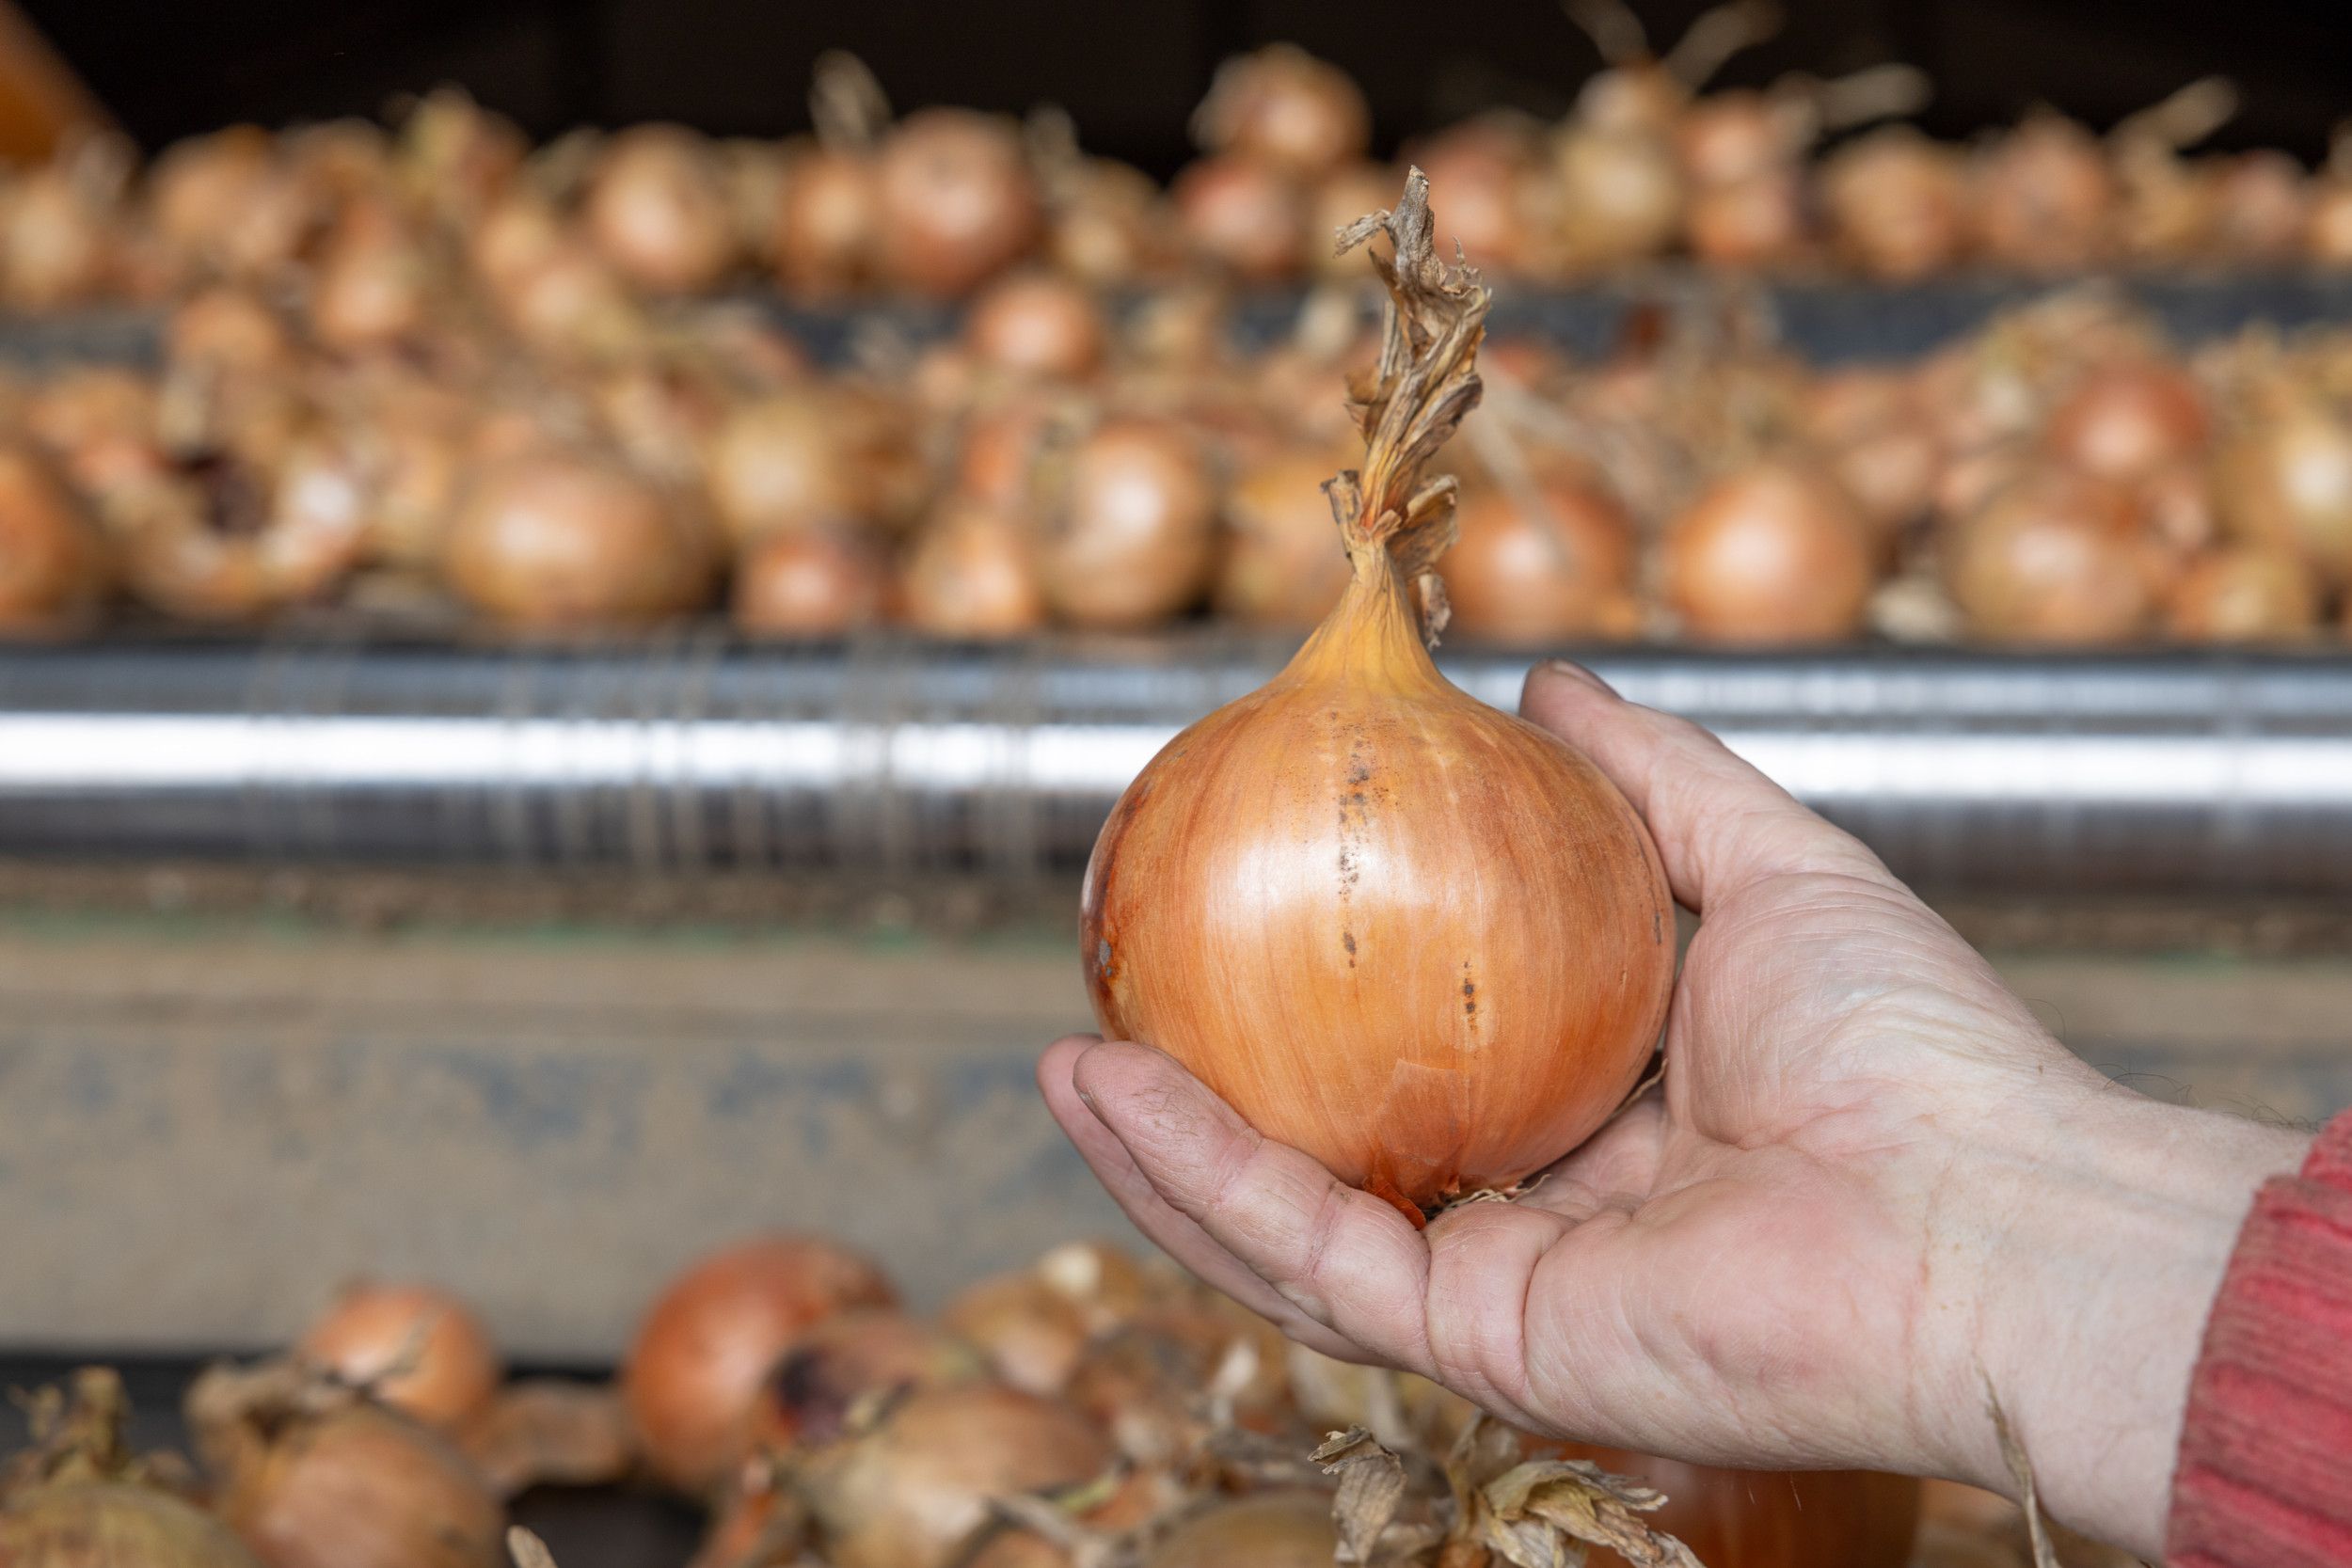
{"x": 1778, "y": 1256}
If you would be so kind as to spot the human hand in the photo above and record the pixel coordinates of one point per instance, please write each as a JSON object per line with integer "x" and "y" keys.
{"x": 1869, "y": 1188}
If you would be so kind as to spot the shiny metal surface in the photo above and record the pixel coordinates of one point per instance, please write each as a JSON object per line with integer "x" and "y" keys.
{"x": 2184, "y": 772}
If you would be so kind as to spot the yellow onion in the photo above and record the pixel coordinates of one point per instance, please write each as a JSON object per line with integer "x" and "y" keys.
{"x": 1418, "y": 1045}
{"x": 1030, "y": 1333}
{"x": 1283, "y": 107}
{"x": 813, "y": 582}
{"x": 911, "y": 1491}
{"x": 1242, "y": 217}
{"x": 1274, "y": 1529}
{"x": 1109, "y": 226}
{"x": 100, "y": 422}
{"x": 954, "y": 201}
{"x": 555, "y": 538}
{"x": 2128, "y": 418}
{"x": 53, "y": 561}
{"x": 2245, "y": 593}
{"x": 231, "y": 534}
{"x": 1128, "y": 533}
{"x": 695, "y": 1367}
{"x": 61, "y": 231}
{"x": 834, "y": 1371}
{"x": 1038, "y": 326}
{"x": 2053, "y": 557}
{"x": 78, "y": 1499}
{"x": 2043, "y": 197}
{"x": 825, "y": 222}
{"x": 1498, "y": 196}
{"x": 2286, "y": 480}
{"x": 1897, "y": 204}
{"x": 2262, "y": 208}
{"x": 455, "y": 157}
{"x": 416, "y": 1348}
{"x": 656, "y": 209}
{"x": 230, "y": 331}
{"x": 805, "y": 458}
{"x": 972, "y": 573}
{"x": 1546, "y": 567}
{"x": 314, "y": 1475}
{"x": 2327, "y": 231}
{"x": 1753, "y": 1519}
{"x": 1620, "y": 193}
{"x": 1279, "y": 568}
{"x": 1337, "y": 200}
{"x": 1756, "y": 222}
{"x": 1775, "y": 552}
{"x": 374, "y": 287}
{"x": 229, "y": 202}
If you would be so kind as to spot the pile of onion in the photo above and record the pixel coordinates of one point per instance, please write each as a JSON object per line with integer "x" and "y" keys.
{"x": 911, "y": 1490}
{"x": 695, "y": 1369}
{"x": 315, "y": 1474}
{"x": 1350, "y": 784}
{"x": 78, "y": 1499}
{"x": 416, "y": 1348}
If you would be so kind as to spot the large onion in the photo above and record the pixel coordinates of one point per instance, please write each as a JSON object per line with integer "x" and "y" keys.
{"x": 657, "y": 209}
{"x": 314, "y": 1476}
{"x": 557, "y": 538}
{"x": 695, "y": 1367}
{"x": 2286, "y": 480}
{"x": 1422, "y": 1047}
{"x": 1773, "y": 553}
{"x": 2053, "y": 557}
{"x": 1752, "y": 1519}
{"x": 79, "y": 1500}
{"x": 1283, "y": 107}
{"x": 1543, "y": 567}
{"x": 1243, "y": 217}
{"x": 815, "y": 582}
{"x": 955, "y": 202}
{"x": 972, "y": 573}
{"x": 53, "y": 561}
{"x": 1129, "y": 532}
{"x": 2245, "y": 593}
{"x": 2128, "y": 418}
{"x": 418, "y": 1349}
{"x": 910, "y": 1492}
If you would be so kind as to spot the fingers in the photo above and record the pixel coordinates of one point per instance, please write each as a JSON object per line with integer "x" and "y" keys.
{"x": 1344, "y": 1257}
{"x": 1613, "y": 1169}
{"x": 1173, "y": 1234}
{"x": 1720, "y": 825}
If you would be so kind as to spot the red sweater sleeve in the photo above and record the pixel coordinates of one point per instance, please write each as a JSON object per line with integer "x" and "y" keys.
{"x": 2264, "y": 1477}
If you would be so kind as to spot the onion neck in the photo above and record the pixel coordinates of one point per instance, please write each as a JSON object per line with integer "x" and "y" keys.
{"x": 1372, "y": 639}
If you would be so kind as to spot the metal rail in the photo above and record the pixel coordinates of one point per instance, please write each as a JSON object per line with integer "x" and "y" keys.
{"x": 2183, "y": 772}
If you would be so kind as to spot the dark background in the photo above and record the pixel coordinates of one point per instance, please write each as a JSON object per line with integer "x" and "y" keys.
{"x": 1129, "y": 73}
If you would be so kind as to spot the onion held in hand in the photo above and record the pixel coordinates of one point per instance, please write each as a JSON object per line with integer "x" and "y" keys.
{"x": 1341, "y": 901}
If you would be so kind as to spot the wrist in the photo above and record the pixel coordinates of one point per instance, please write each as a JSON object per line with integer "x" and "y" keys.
{"x": 2099, "y": 1225}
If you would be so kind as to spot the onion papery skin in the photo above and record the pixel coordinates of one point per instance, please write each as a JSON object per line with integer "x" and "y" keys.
{"x": 103, "y": 1524}
{"x": 911, "y": 1492}
{"x": 1277, "y": 1530}
{"x": 1340, "y": 902}
{"x": 453, "y": 1366}
{"x": 1760, "y": 1519}
{"x": 1521, "y": 578}
{"x": 695, "y": 1367}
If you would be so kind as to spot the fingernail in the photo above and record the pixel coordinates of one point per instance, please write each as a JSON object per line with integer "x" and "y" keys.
{"x": 1578, "y": 673}
{"x": 1085, "y": 1097}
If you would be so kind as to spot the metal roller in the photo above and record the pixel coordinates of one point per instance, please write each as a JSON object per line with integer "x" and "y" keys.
{"x": 2183, "y": 772}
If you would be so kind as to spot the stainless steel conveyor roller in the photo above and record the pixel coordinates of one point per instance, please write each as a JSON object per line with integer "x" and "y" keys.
{"x": 2187, "y": 772}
